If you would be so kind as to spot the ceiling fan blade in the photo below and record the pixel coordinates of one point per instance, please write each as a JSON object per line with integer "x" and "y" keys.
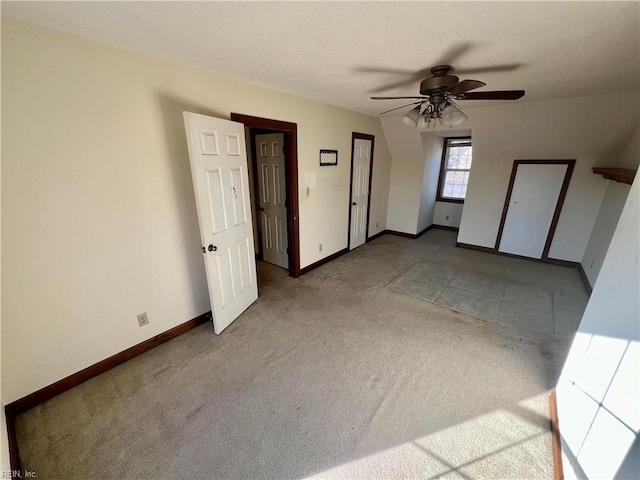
{"x": 455, "y": 52}
{"x": 402, "y": 83}
{"x": 509, "y": 67}
{"x": 497, "y": 95}
{"x": 396, "y": 98}
{"x": 395, "y": 71}
{"x": 464, "y": 86}
{"x": 398, "y": 108}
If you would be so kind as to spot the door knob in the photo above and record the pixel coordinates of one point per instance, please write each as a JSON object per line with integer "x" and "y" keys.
{"x": 354, "y": 204}
{"x": 261, "y": 209}
{"x": 212, "y": 248}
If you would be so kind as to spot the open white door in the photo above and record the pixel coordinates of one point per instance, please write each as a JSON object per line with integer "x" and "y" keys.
{"x": 273, "y": 194}
{"x": 359, "y": 192}
{"x": 218, "y": 160}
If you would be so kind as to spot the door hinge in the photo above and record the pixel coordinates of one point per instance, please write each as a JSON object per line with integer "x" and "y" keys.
{"x": 288, "y": 251}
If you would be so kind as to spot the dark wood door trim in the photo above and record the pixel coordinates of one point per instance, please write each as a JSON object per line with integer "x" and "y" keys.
{"x": 556, "y": 214}
{"x": 354, "y": 137}
{"x": 291, "y": 173}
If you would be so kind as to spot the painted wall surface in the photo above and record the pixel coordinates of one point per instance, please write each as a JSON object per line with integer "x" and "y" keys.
{"x": 406, "y": 177}
{"x": 612, "y": 204}
{"x": 442, "y": 210}
{"x": 629, "y": 155}
{"x": 97, "y": 200}
{"x": 432, "y": 158}
{"x": 452, "y": 210}
{"x": 598, "y": 392}
{"x": 558, "y": 129}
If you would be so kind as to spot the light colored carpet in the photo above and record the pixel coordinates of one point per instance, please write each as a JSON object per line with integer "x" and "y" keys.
{"x": 538, "y": 312}
{"x": 332, "y": 375}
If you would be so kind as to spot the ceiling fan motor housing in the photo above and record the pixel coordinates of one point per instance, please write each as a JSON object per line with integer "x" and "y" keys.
{"x": 432, "y": 85}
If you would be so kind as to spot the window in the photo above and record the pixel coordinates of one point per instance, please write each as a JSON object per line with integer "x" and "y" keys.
{"x": 454, "y": 171}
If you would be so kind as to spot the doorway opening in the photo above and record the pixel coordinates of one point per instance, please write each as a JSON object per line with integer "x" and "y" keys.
{"x": 277, "y": 221}
{"x": 360, "y": 191}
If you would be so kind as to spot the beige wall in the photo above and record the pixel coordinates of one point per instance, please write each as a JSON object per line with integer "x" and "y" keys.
{"x": 97, "y": 203}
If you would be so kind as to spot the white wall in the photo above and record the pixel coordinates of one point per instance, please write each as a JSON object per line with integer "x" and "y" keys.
{"x": 414, "y": 160}
{"x": 433, "y": 156}
{"x": 558, "y": 129}
{"x": 448, "y": 209}
{"x": 603, "y": 229}
{"x": 97, "y": 203}
{"x": 406, "y": 176}
{"x": 629, "y": 154}
{"x": 598, "y": 392}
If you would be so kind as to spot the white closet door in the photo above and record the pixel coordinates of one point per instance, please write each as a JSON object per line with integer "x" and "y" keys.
{"x": 533, "y": 202}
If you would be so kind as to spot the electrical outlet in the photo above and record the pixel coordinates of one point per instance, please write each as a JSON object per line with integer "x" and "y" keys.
{"x": 143, "y": 319}
{"x": 446, "y": 217}
{"x": 320, "y": 247}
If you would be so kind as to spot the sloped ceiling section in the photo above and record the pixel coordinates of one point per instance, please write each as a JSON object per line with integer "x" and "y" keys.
{"x": 333, "y": 51}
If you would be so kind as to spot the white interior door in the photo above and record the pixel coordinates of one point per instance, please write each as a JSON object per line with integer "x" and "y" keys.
{"x": 218, "y": 160}
{"x": 360, "y": 192}
{"x": 273, "y": 208}
{"x": 533, "y": 202}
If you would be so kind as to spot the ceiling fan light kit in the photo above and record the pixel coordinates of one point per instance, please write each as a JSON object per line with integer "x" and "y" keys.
{"x": 452, "y": 116}
{"x": 411, "y": 118}
{"x": 449, "y": 114}
{"x": 438, "y": 94}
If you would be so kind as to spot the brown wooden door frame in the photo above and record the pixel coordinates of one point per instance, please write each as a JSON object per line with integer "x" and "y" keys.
{"x": 290, "y": 131}
{"x": 354, "y": 137}
{"x": 556, "y": 214}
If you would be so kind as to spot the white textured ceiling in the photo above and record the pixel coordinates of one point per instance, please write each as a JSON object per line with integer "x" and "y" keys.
{"x": 327, "y": 50}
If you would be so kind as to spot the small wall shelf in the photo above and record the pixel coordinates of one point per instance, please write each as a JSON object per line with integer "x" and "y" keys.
{"x": 622, "y": 175}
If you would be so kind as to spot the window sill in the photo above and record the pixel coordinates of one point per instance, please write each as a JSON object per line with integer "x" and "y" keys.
{"x": 450, "y": 200}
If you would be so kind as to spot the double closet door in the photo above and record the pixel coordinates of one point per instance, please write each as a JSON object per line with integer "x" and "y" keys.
{"x": 532, "y": 207}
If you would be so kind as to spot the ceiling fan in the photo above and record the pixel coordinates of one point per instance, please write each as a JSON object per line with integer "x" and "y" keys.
{"x": 438, "y": 95}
